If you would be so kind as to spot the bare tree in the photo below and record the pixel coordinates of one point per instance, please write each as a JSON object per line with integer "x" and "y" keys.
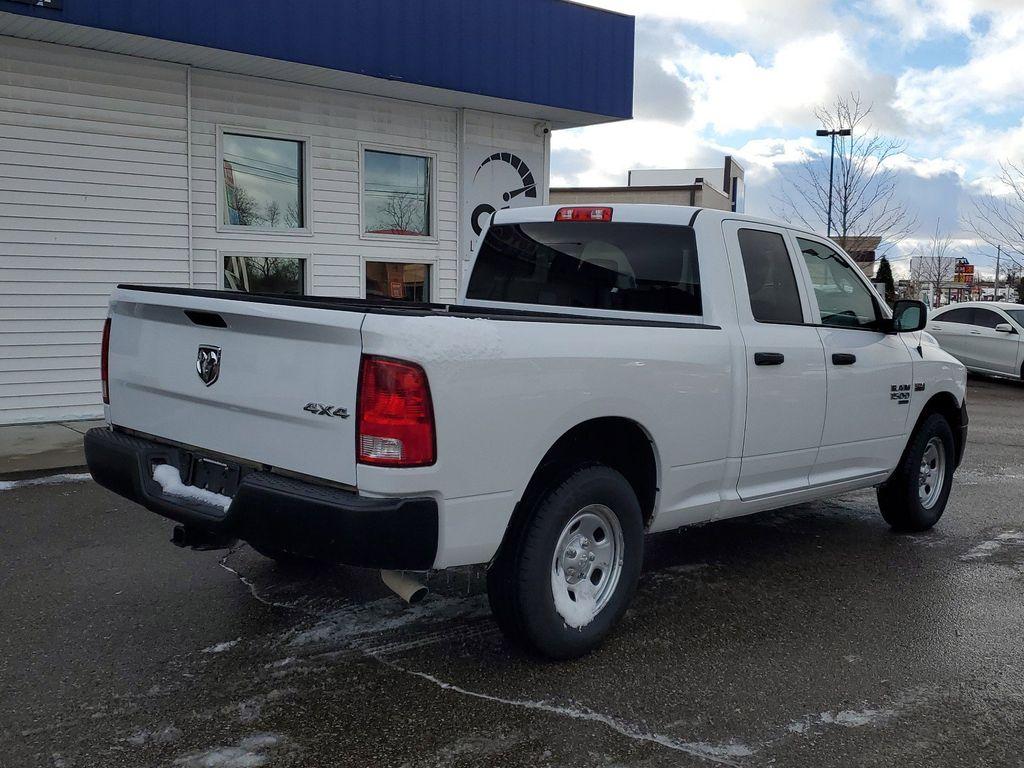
{"x": 932, "y": 266}
{"x": 245, "y": 206}
{"x": 291, "y": 214}
{"x": 402, "y": 212}
{"x": 273, "y": 215}
{"x": 864, "y": 200}
{"x": 999, "y": 220}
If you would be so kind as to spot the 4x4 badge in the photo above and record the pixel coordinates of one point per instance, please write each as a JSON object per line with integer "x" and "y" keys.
{"x": 320, "y": 409}
{"x": 208, "y": 363}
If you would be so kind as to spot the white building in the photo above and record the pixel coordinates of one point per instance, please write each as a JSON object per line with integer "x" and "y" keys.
{"x": 340, "y": 151}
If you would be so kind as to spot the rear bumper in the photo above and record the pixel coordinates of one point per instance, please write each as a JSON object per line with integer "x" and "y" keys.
{"x": 277, "y": 512}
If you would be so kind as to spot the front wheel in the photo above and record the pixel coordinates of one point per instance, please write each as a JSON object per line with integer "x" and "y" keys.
{"x": 566, "y": 575}
{"x": 914, "y": 498}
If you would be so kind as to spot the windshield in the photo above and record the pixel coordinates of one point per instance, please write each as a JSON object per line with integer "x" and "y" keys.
{"x": 1017, "y": 315}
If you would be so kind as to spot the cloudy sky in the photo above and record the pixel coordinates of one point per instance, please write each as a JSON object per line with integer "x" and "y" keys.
{"x": 743, "y": 77}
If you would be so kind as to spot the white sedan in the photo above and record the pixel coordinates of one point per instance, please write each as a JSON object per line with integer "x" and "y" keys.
{"x": 985, "y": 336}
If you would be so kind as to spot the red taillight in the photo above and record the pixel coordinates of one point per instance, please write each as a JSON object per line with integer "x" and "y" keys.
{"x": 396, "y": 417}
{"x": 583, "y": 213}
{"x": 104, "y": 354}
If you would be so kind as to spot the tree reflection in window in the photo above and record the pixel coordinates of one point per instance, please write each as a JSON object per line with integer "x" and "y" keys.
{"x": 263, "y": 184}
{"x": 264, "y": 274}
{"x": 396, "y": 194}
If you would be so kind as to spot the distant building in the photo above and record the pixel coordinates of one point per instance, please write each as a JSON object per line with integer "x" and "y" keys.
{"x": 720, "y": 189}
{"x": 862, "y": 250}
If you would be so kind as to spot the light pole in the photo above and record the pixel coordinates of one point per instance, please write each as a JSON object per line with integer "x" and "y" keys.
{"x": 831, "y": 166}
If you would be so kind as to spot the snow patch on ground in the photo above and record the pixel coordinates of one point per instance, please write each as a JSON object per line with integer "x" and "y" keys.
{"x": 988, "y": 548}
{"x": 10, "y": 485}
{"x": 723, "y": 754}
{"x": 248, "y": 753}
{"x": 576, "y": 613}
{"x": 221, "y": 647}
{"x": 365, "y": 620}
{"x": 847, "y": 718}
{"x": 170, "y": 480}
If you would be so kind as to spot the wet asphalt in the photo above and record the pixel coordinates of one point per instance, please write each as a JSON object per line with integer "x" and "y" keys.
{"x": 810, "y": 636}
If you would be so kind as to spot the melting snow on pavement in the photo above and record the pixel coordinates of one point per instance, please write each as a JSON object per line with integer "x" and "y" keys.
{"x": 988, "y": 548}
{"x": 8, "y": 485}
{"x": 846, "y": 718}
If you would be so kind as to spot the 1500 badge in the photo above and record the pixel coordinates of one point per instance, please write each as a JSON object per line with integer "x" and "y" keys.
{"x": 900, "y": 393}
{"x": 320, "y": 409}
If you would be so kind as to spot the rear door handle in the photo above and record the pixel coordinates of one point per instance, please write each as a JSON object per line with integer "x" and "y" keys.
{"x": 769, "y": 358}
{"x": 843, "y": 358}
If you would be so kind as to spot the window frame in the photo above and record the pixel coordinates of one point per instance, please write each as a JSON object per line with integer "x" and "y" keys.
{"x": 305, "y": 256}
{"x": 882, "y": 310}
{"x": 307, "y": 229}
{"x": 416, "y": 241}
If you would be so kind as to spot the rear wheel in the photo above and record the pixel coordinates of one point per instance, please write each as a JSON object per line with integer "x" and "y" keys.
{"x": 567, "y": 573}
{"x": 915, "y": 497}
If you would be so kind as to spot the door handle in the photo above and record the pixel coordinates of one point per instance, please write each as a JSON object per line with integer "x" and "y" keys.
{"x": 843, "y": 358}
{"x": 769, "y": 358}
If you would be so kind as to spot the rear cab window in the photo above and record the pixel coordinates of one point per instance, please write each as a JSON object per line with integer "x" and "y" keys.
{"x": 590, "y": 265}
{"x": 964, "y": 315}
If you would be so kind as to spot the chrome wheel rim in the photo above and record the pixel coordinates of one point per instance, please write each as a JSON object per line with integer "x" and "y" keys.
{"x": 932, "y": 474}
{"x": 587, "y": 564}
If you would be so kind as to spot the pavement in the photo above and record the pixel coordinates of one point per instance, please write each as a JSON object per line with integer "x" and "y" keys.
{"x": 27, "y": 449}
{"x": 811, "y": 636}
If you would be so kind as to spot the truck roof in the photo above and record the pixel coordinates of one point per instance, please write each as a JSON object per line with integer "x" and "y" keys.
{"x": 642, "y": 213}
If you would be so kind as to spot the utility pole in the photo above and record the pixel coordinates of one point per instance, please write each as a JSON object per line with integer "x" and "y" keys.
{"x": 995, "y": 292}
{"x": 831, "y": 167}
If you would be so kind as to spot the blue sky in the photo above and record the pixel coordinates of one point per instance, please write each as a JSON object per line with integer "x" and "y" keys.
{"x": 743, "y": 77}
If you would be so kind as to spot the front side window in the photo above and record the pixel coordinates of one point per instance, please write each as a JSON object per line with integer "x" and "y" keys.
{"x": 397, "y": 282}
{"x": 986, "y": 318}
{"x": 1017, "y": 315}
{"x": 843, "y": 298}
{"x": 593, "y": 265}
{"x": 265, "y": 274}
{"x": 771, "y": 284}
{"x": 396, "y": 194}
{"x": 262, "y": 182}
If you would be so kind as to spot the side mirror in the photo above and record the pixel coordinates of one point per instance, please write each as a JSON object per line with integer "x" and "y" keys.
{"x": 1005, "y": 328}
{"x": 909, "y": 315}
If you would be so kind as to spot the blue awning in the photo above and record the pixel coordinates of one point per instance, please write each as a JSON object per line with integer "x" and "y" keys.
{"x": 545, "y": 52}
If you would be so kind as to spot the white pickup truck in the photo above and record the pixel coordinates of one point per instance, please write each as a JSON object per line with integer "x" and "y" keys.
{"x": 608, "y": 371}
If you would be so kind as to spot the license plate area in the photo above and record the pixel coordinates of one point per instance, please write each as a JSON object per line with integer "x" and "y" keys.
{"x": 213, "y": 475}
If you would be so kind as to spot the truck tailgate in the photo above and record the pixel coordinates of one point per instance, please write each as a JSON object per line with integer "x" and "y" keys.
{"x": 274, "y": 361}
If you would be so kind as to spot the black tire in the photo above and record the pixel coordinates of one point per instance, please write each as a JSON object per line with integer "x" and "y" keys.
{"x": 519, "y": 581}
{"x": 899, "y": 497}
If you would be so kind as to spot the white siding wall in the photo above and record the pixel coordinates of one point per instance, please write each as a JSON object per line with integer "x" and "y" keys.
{"x": 94, "y": 190}
{"x": 335, "y": 122}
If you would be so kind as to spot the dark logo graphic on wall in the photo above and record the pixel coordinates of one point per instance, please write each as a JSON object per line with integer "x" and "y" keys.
{"x": 528, "y": 187}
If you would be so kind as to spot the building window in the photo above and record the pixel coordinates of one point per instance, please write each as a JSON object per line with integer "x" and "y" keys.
{"x": 265, "y": 274}
{"x": 263, "y": 182}
{"x": 396, "y": 194}
{"x": 398, "y": 282}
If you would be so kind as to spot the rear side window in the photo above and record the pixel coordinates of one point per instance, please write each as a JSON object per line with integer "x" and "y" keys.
{"x": 593, "y": 265}
{"x": 964, "y": 315}
{"x": 774, "y": 297}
